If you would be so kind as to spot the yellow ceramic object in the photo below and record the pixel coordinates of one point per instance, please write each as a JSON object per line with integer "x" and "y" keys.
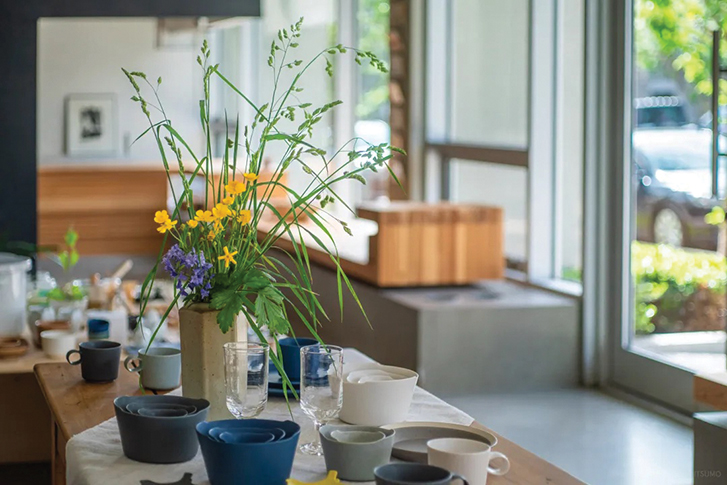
{"x": 331, "y": 479}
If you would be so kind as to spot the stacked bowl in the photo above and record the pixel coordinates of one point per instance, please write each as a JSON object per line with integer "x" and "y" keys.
{"x": 355, "y": 451}
{"x": 249, "y": 452}
{"x": 375, "y": 395}
{"x": 159, "y": 429}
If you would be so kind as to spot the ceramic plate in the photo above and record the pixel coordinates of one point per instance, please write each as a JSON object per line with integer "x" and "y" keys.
{"x": 410, "y": 440}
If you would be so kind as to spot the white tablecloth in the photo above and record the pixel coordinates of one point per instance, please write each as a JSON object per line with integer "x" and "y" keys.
{"x": 95, "y": 457}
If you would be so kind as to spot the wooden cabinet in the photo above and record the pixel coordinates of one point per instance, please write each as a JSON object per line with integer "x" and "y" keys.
{"x": 111, "y": 207}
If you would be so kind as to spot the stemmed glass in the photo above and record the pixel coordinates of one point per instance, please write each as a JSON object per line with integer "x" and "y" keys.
{"x": 321, "y": 388}
{"x": 246, "y": 378}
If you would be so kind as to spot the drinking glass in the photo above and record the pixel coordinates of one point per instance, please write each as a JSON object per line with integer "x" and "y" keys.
{"x": 246, "y": 378}
{"x": 321, "y": 388}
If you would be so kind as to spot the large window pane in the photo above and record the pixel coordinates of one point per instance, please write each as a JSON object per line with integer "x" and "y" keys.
{"x": 498, "y": 185}
{"x": 489, "y": 72}
{"x": 678, "y": 273}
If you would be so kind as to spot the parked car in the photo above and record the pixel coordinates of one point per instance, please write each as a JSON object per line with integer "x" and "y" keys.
{"x": 660, "y": 111}
{"x": 673, "y": 180}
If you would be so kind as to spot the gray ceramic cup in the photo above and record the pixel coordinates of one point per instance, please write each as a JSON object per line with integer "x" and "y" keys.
{"x": 414, "y": 474}
{"x": 355, "y": 461}
{"x": 160, "y": 367}
{"x": 99, "y": 360}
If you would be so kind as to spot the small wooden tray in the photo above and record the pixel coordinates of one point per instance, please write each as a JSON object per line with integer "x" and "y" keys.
{"x": 12, "y": 347}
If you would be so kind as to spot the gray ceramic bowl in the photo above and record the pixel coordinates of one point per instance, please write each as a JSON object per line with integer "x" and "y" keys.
{"x": 152, "y": 439}
{"x": 355, "y": 461}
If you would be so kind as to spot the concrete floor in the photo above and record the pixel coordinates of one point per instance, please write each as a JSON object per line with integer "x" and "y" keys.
{"x": 598, "y": 439}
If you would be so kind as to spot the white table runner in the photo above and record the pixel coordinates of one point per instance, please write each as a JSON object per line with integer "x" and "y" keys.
{"x": 95, "y": 457}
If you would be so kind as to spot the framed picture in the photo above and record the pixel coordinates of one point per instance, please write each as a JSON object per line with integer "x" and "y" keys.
{"x": 90, "y": 125}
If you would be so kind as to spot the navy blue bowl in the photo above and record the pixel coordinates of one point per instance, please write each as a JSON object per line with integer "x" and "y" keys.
{"x": 249, "y": 463}
{"x": 290, "y": 352}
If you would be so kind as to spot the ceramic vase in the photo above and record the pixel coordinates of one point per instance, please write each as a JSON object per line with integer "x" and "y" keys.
{"x": 203, "y": 358}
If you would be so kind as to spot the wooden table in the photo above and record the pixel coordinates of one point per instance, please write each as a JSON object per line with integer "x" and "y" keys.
{"x": 76, "y": 406}
{"x": 711, "y": 389}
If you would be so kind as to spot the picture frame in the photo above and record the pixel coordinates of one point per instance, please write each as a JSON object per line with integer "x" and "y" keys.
{"x": 91, "y": 122}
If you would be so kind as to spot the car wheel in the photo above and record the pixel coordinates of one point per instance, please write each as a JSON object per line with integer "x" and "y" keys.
{"x": 668, "y": 228}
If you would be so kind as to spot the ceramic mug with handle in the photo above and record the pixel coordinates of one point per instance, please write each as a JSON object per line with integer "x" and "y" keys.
{"x": 160, "y": 367}
{"x": 99, "y": 360}
{"x": 467, "y": 457}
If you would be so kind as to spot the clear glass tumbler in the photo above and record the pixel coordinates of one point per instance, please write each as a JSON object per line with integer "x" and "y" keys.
{"x": 321, "y": 388}
{"x": 246, "y": 378}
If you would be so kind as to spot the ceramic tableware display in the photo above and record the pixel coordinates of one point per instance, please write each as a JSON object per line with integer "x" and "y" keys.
{"x": 57, "y": 343}
{"x": 154, "y": 434}
{"x": 469, "y": 458}
{"x": 410, "y": 443}
{"x": 246, "y": 378}
{"x": 290, "y": 352}
{"x": 415, "y": 474}
{"x": 160, "y": 367}
{"x": 374, "y": 395}
{"x": 99, "y": 360}
{"x": 321, "y": 375}
{"x": 354, "y": 451}
{"x": 243, "y": 459}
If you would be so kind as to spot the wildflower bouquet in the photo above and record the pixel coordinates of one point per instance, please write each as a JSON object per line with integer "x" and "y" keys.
{"x": 218, "y": 257}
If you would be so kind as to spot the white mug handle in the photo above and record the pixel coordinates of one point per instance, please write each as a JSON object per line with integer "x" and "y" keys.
{"x": 501, "y": 470}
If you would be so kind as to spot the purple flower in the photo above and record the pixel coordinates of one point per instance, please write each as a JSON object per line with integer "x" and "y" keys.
{"x": 190, "y": 270}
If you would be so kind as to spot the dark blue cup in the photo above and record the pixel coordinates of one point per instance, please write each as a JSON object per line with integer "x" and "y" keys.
{"x": 249, "y": 463}
{"x": 98, "y": 329}
{"x": 290, "y": 352}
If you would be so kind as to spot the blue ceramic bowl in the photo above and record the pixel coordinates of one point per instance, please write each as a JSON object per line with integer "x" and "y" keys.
{"x": 290, "y": 352}
{"x": 249, "y": 463}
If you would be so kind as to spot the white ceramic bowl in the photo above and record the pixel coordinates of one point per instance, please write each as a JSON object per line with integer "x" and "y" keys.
{"x": 378, "y": 402}
{"x": 56, "y": 343}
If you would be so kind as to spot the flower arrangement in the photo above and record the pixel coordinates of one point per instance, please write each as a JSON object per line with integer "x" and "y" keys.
{"x": 219, "y": 257}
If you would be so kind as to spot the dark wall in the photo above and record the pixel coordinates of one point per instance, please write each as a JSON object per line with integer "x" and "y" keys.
{"x": 18, "y": 56}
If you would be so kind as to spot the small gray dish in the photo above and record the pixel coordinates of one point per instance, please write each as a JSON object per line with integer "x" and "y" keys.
{"x": 159, "y": 439}
{"x": 356, "y": 461}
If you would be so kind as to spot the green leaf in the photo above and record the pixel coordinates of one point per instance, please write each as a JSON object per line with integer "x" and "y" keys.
{"x": 230, "y": 303}
{"x": 73, "y": 258}
{"x": 269, "y": 310}
{"x": 63, "y": 260}
{"x": 71, "y": 237}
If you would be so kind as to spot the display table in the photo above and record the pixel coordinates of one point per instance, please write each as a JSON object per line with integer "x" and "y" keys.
{"x": 77, "y": 406}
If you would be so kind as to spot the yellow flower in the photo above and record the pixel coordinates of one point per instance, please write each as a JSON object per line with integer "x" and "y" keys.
{"x": 220, "y": 211}
{"x": 250, "y": 177}
{"x": 192, "y": 223}
{"x": 235, "y": 187}
{"x": 228, "y": 200}
{"x": 211, "y": 235}
{"x": 244, "y": 216}
{"x": 204, "y": 216}
{"x": 160, "y": 217}
{"x": 228, "y": 257}
{"x": 166, "y": 226}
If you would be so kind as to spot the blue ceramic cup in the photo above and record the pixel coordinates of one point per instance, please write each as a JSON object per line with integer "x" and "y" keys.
{"x": 290, "y": 352}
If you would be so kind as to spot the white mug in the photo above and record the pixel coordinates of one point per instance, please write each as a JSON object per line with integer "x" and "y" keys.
{"x": 56, "y": 343}
{"x": 468, "y": 458}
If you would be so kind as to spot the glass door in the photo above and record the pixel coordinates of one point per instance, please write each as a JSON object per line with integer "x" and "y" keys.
{"x": 674, "y": 298}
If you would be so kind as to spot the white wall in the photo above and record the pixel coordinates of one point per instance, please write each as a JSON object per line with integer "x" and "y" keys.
{"x": 84, "y": 55}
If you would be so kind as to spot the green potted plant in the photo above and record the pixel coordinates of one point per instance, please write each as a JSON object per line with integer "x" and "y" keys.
{"x": 221, "y": 259}
{"x": 69, "y": 298}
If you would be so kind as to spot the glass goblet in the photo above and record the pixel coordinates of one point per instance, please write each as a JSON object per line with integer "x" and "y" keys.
{"x": 246, "y": 378}
{"x": 321, "y": 388}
